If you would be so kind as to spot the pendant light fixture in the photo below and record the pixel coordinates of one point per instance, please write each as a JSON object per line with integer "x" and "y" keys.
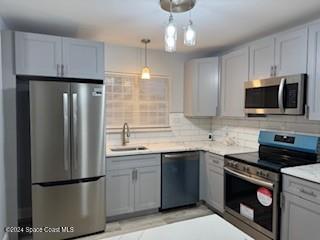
{"x": 170, "y": 36}
{"x": 145, "y": 73}
{"x": 190, "y": 33}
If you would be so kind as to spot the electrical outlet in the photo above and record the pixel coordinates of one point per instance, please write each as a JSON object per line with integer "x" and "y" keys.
{"x": 210, "y": 136}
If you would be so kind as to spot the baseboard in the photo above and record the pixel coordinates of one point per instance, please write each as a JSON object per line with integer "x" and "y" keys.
{"x": 131, "y": 215}
{"x": 5, "y": 236}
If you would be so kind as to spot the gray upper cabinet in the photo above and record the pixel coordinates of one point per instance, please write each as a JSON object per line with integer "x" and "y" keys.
{"x": 291, "y": 52}
{"x": 300, "y": 217}
{"x": 147, "y": 188}
{"x": 314, "y": 71}
{"x": 83, "y": 59}
{"x": 53, "y": 56}
{"x": 262, "y": 58}
{"x": 38, "y": 54}
{"x": 235, "y": 71}
{"x": 201, "y": 87}
{"x": 278, "y": 55}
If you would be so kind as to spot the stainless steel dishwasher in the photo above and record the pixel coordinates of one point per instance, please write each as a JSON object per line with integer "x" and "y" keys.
{"x": 179, "y": 179}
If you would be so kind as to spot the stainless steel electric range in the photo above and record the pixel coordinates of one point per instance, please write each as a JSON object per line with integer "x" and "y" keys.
{"x": 253, "y": 180}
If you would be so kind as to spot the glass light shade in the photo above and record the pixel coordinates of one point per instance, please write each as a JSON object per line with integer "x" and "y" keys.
{"x": 190, "y": 35}
{"x": 145, "y": 74}
{"x": 170, "y": 36}
{"x": 171, "y": 30}
{"x": 170, "y": 44}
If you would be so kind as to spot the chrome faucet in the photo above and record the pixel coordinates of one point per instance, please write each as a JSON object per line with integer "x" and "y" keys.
{"x": 125, "y": 134}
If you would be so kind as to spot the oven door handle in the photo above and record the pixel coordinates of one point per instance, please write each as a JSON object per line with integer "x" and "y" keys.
{"x": 280, "y": 94}
{"x": 259, "y": 182}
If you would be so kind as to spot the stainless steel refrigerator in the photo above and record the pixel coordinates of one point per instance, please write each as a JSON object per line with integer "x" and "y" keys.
{"x": 67, "y": 158}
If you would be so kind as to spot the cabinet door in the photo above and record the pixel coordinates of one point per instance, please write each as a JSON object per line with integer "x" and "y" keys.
{"x": 119, "y": 192}
{"x": 215, "y": 193}
{"x": 235, "y": 71}
{"x": 291, "y": 52}
{"x": 262, "y": 58}
{"x": 300, "y": 219}
{"x": 314, "y": 72}
{"x": 38, "y": 54}
{"x": 147, "y": 188}
{"x": 207, "y": 87}
{"x": 83, "y": 59}
{"x": 201, "y": 87}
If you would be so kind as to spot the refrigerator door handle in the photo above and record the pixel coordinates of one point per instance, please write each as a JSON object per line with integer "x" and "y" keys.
{"x": 74, "y": 129}
{"x": 66, "y": 131}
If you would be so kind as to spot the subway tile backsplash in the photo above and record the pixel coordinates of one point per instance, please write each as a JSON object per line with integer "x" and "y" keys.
{"x": 182, "y": 129}
{"x": 245, "y": 131}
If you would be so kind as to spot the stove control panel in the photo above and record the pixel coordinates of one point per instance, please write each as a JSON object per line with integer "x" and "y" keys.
{"x": 250, "y": 170}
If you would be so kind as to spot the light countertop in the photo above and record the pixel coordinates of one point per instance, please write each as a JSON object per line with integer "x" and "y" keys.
{"x": 210, "y": 146}
{"x": 210, "y": 227}
{"x": 307, "y": 172}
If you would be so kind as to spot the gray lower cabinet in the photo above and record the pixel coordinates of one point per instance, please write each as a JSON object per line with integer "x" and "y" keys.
{"x": 300, "y": 218}
{"x": 120, "y": 192}
{"x": 147, "y": 188}
{"x": 133, "y": 184}
{"x": 212, "y": 180}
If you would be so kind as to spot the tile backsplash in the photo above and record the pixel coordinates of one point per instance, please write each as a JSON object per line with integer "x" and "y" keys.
{"x": 242, "y": 131}
{"x": 245, "y": 131}
{"x": 181, "y": 129}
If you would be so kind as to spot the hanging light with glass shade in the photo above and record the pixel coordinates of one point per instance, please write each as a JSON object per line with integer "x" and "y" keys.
{"x": 189, "y": 33}
{"x": 145, "y": 73}
{"x": 170, "y": 36}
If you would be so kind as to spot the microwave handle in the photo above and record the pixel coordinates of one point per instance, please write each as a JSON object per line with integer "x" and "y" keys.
{"x": 280, "y": 94}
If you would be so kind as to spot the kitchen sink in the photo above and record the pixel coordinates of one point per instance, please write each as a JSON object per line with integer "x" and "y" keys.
{"x": 124, "y": 149}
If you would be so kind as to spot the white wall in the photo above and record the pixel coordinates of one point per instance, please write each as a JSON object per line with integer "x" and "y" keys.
{"x": 131, "y": 60}
{"x": 2, "y": 171}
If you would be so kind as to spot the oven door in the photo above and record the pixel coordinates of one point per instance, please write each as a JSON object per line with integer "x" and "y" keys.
{"x": 252, "y": 200}
{"x": 279, "y": 95}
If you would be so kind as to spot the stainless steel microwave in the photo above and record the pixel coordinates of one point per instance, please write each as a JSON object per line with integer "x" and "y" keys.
{"x": 277, "y": 95}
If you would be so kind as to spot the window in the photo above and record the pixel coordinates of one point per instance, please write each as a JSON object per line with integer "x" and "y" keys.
{"x": 140, "y": 103}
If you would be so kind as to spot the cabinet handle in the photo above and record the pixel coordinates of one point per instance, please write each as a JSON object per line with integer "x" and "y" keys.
{"x": 310, "y": 193}
{"x": 62, "y": 70}
{"x": 215, "y": 161}
{"x": 58, "y": 70}
{"x": 275, "y": 70}
{"x": 134, "y": 175}
{"x": 271, "y": 71}
{"x": 306, "y": 111}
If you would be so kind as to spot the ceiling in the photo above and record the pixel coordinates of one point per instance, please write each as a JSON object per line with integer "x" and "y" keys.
{"x": 219, "y": 23}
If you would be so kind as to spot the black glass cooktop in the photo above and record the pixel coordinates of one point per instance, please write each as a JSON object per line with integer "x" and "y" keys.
{"x": 274, "y": 159}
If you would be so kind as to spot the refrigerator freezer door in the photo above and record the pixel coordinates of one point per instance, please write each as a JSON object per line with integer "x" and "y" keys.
{"x": 50, "y": 130}
{"x": 87, "y": 130}
{"x": 79, "y": 206}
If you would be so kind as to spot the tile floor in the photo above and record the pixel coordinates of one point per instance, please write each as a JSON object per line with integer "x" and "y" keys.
{"x": 150, "y": 221}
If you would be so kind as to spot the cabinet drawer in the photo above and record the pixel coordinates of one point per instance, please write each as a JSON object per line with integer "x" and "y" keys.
{"x": 133, "y": 161}
{"x": 302, "y": 188}
{"x": 215, "y": 160}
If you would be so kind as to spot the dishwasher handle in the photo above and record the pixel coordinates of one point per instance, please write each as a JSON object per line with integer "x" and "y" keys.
{"x": 172, "y": 156}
